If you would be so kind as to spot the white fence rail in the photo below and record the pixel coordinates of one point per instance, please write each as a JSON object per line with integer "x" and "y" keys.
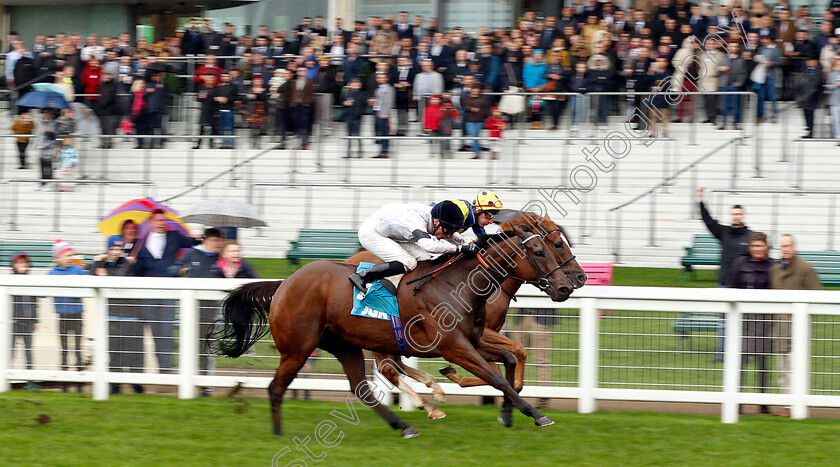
{"x": 606, "y": 343}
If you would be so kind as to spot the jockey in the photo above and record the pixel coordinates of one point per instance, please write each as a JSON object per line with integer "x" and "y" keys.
{"x": 400, "y": 234}
{"x": 480, "y": 212}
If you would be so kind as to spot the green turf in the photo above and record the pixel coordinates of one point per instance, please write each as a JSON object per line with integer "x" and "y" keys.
{"x": 162, "y": 430}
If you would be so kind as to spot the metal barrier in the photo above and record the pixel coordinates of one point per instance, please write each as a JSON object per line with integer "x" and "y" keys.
{"x": 615, "y": 213}
{"x": 56, "y": 216}
{"x": 798, "y": 175}
{"x": 634, "y": 354}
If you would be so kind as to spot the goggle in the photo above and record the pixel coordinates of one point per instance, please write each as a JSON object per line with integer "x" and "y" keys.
{"x": 489, "y": 214}
{"x": 447, "y": 230}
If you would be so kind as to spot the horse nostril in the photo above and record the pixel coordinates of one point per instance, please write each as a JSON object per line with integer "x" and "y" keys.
{"x": 565, "y": 290}
{"x": 582, "y": 278}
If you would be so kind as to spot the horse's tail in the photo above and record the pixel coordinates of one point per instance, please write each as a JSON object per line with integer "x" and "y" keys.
{"x": 245, "y": 318}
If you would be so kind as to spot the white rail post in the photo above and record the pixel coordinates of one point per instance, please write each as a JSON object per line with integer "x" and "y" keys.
{"x": 588, "y": 360}
{"x": 731, "y": 365}
{"x": 100, "y": 347}
{"x": 5, "y": 337}
{"x": 800, "y": 364}
{"x": 187, "y": 345}
{"x": 406, "y": 404}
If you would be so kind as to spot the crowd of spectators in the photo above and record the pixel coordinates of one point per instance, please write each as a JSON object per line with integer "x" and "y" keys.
{"x": 160, "y": 253}
{"x": 284, "y": 82}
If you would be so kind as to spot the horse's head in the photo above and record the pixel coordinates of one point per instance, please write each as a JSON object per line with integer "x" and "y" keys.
{"x": 522, "y": 254}
{"x": 555, "y": 238}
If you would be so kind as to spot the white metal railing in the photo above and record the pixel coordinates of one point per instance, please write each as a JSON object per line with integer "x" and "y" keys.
{"x": 582, "y": 347}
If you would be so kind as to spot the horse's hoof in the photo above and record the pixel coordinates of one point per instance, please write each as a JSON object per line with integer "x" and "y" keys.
{"x": 437, "y": 414}
{"x": 439, "y": 397}
{"x": 409, "y": 433}
{"x": 543, "y": 421}
{"x": 447, "y": 370}
{"x": 506, "y": 419}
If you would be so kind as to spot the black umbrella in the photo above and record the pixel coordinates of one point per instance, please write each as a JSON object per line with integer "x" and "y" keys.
{"x": 160, "y": 67}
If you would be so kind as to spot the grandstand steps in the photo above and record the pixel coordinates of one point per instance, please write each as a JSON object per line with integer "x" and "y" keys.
{"x": 541, "y": 163}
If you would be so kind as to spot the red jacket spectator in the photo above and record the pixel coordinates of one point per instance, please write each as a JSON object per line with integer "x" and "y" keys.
{"x": 209, "y": 68}
{"x": 435, "y": 113}
{"x": 91, "y": 77}
{"x": 496, "y": 126}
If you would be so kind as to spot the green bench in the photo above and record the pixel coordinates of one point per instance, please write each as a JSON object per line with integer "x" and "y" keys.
{"x": 688, "y": 323}
{"x": 324, "y": 244}
{"x": 827, "y": 265}
{"x": 704, "y": 252}
{"x": 40, "y": 253}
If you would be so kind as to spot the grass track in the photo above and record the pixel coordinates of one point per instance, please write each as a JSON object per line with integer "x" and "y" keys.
{"x": 162, "y": 430}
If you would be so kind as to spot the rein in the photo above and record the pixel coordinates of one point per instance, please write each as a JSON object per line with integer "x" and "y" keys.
{"x": 431, "y": 275}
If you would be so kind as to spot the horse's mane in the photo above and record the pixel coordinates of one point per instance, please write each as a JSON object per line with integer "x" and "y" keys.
{"x": 483, "y": 242}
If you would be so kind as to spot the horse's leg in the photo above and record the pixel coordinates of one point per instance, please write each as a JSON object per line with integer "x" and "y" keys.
{"x": 353, "y": 361}
{"x": 496, "y": 354}
{"x": 386, "y": 366}
{"x": 429, "y": 381}
{"x": 460, "y": 351}
{"x": 290, "y": 364}
{"x": 498, "y": 340}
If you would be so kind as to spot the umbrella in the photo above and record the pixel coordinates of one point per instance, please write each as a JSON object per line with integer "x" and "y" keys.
{"x": 140, "y": 211}
{"x": 86, "y": 121}
{"x": 43, "y": 100}
{"x": 48, "y": 87}
{"x": 160, "y": 67}
{"x": 224, "y": 212}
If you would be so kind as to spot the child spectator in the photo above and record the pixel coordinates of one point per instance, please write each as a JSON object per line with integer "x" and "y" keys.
{"x": 69, "y": 309}
{"x": 24, "y": 318}
{"x": 46, "y": 145}
{"x": 231, "y": 265}
{"x": 68, "y": 160}
{"x": 438, "y": 120}
{"x": 496, "y": 124}
{"x": 23, "y": 126}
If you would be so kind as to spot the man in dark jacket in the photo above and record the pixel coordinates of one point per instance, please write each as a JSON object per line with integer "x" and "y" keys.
{"x": 734, "y": 242}
{"x": 197, "y": 263}
{"x": 734, "y": 238}
{"x": 107, "y": 109}
{"x": 225, "y": 95}
{"x": 156, "y": 258}
{"x": 25, "y": 73}
{"x": 207, "y": 114}
{"x": 156, "y": 97}
{"x": 810, "y": 91}
{"x": 401, "y": 78}
{"x": 354, "y": 103}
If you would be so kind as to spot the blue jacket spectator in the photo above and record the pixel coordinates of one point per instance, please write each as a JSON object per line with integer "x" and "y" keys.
{"x": 156, "y": 258}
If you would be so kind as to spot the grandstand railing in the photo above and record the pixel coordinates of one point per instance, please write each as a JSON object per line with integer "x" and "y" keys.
{"x": 614, "y": 214}
{"x": 629, "y": 353}
{"x": 57, "y": 209}
{"x": 775, "y": 211}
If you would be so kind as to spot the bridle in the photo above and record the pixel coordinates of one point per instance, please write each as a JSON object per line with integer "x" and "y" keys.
{"x": 543, "y": 282}
{"x": 546, "y": 234}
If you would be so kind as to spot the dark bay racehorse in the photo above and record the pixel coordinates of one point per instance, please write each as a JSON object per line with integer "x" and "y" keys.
{"x": 496, "y": 310}
{"x": 312, "y": 309}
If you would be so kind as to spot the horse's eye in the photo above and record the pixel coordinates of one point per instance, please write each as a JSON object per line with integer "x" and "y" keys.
{"x": 525, "y": 228}
{"x": 539, "y": 253}
{"x": 558, "y": 245}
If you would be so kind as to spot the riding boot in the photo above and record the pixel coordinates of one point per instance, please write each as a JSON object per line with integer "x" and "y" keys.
{"x": 376, "y": 272}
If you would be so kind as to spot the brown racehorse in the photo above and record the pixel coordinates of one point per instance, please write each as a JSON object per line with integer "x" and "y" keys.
{"x": 496, "y": 309}
{"x": 444, "y": 318}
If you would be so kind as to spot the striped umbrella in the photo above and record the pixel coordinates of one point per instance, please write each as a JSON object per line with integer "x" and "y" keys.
{"x": 140, "y": 211}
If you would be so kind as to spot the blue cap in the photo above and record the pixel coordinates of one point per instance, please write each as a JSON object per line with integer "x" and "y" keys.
{"x": 115, "y": 240}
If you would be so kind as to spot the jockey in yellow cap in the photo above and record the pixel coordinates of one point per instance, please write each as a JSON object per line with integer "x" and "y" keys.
{"x": 480, "y": 212}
